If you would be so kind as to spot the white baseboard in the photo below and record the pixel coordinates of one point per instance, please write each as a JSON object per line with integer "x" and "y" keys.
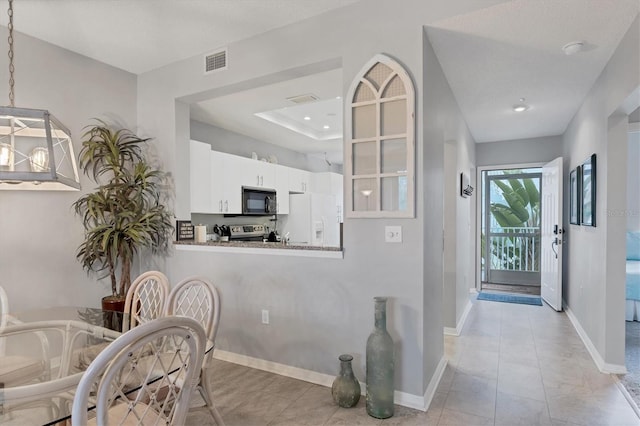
{"x": 274, "y": 367}
{"x": 401, "y": 398}
{"x": 433, "y": 384}
{"x": 595, "y": 355}
{"x": 627, "y": 396}
{"x": 450, "y": 331}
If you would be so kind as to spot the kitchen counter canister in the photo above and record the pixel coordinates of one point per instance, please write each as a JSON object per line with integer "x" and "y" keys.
{"x": 257, "y": 247}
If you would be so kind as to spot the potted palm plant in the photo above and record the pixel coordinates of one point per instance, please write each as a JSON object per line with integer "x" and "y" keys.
{"x": 126, "y": 213}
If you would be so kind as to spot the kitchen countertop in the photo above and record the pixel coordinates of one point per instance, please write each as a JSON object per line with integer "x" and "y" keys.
{"x": 258, "y": 247}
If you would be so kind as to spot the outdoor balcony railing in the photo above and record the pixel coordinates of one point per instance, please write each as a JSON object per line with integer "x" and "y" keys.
{"x": 515, "y": 249}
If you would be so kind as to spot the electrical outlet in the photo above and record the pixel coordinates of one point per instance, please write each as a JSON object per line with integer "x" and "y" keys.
{"x": 265, "y": 316}
{"x": 393, "y": 234}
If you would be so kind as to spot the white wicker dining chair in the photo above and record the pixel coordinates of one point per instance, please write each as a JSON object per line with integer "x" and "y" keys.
{"x": 146, "y": 298}
{"x": 173, "y": 347}
{"x": 197, "y": 298}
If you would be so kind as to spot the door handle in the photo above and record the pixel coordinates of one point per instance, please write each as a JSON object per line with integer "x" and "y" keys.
{"x": 554, "y": 244}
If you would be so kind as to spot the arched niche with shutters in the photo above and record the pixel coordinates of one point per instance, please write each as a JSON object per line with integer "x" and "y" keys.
{"x": 380, "y": 142}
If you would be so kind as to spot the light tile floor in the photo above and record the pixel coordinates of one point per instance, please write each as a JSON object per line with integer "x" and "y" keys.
{"x": 512, "y": 365}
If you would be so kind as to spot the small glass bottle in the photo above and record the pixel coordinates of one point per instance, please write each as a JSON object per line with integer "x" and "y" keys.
{"x": 380, "y": 365}
{"x": 346, "y": 388}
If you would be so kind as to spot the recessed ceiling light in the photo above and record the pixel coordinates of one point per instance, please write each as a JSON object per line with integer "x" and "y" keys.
{"x": 307, "y": 118}
{"x": 521, "y": 107}
{"x": 326, "y": 126}
{"x": 573, "y": 47}
{"x": 338, "y": 97}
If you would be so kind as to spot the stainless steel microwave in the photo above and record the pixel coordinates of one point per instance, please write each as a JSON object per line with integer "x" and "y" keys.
{"x": 258, "y": 201}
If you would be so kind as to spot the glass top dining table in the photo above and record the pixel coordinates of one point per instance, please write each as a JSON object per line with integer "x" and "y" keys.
{"x": 43, "y": 355}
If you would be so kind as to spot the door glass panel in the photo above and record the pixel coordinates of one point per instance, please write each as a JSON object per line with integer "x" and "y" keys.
{"x": 394, "y": 193}
{"x": 364, "y": 158}
{"x": 365, "y": 194}
{"x": 394, "y": 117}
{"x": 511, "y": 234}
{"x": 364, "y": 121}
{"x": 393, "y": 156}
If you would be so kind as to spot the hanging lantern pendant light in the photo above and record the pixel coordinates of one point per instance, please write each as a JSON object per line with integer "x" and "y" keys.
{"x": 36, "y": 151}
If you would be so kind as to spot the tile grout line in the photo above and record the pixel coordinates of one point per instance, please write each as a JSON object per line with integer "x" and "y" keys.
{"x": 495, "y": 404}
{"x": 535, "y": 348}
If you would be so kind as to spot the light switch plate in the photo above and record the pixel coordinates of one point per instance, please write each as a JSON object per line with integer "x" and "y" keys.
{"x": 393, "y": 234}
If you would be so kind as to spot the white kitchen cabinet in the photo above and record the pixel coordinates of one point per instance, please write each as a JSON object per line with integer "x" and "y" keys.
{"x": 282, "y": 188}
{"x": 200, "y": 178}
{"x": 226, "y": 173}
{"x": 253, "y": 173}
{"x": 299, "y": 181}
{"x": 265, "y": 174}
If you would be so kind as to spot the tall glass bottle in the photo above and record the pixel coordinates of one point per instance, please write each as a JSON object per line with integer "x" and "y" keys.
{"x": 380, "y": 365}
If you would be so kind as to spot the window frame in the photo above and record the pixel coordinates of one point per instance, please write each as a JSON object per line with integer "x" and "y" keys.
{"x": 409, "y": 136}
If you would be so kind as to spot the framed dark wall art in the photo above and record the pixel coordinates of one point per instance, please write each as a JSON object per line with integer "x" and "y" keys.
{"x": 575, "y": 198}
{"x": 589, "y": 191}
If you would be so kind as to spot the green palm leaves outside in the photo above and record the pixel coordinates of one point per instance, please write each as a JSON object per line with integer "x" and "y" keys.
{"x": 520, "y": 210}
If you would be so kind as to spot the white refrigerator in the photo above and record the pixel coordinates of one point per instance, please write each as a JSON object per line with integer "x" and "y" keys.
{"x": 313, "y": 220}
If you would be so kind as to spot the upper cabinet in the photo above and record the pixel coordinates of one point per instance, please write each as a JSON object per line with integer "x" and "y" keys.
{"x": 299, "y": 180}
{"x": 254, "y": 173}
{"x": 227, "y": 173}
{"x": 379, "y": 161}
{"x": 217, "y": 179}
{"x": 200, "y": 178}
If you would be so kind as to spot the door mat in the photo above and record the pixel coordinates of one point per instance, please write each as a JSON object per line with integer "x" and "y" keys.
{"x": 510, "y": 298}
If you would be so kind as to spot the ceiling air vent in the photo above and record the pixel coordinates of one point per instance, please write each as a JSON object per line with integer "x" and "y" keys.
{"x": 215, "y": 61}
{"x": 303, "y": 99}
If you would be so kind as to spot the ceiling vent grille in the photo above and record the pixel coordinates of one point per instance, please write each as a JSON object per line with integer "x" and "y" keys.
{"x": 303, "y": 99}
{"x": 216, "y": 61}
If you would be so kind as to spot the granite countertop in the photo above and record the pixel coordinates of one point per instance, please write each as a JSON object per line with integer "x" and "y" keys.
{"x": 256, "y": 244}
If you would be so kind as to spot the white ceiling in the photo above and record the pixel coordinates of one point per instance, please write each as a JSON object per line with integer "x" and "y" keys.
{"x": 497, "y": 55}
{"x": 491, "y": 57}
{"x": 141, "y": 35}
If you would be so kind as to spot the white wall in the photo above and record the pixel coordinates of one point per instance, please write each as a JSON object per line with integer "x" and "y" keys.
{"x": 533, "y": 150}
{"x": 592, "y": 281}
{"x": 322, "y": 308}
{"x": 452, "y": 136}
{"x": 633, "y": 178}
{"x": 39, "y": 231}
{"x": 234, "y": 143}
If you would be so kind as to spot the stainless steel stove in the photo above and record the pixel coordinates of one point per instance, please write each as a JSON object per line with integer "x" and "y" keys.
{"x": 248, "y": 232}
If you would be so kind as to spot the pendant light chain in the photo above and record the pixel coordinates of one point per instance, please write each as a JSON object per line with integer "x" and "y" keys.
{"x": 12, "y": 95}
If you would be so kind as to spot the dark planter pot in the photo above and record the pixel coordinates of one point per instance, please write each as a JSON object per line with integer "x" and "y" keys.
{"x": 112, "y": 312}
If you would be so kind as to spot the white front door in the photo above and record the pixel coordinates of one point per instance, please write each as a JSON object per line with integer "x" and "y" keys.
{"x": 551, "y": 230}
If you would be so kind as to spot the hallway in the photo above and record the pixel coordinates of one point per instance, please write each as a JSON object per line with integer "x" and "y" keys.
{"x": 520, "y": 364}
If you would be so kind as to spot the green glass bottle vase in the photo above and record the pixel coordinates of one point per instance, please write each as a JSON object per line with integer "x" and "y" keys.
{"x": 346, "y": 388}
{"x": 380, "y": 365}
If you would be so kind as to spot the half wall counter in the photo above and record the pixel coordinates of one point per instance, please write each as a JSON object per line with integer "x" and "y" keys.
{"x": 261, "y": 248}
